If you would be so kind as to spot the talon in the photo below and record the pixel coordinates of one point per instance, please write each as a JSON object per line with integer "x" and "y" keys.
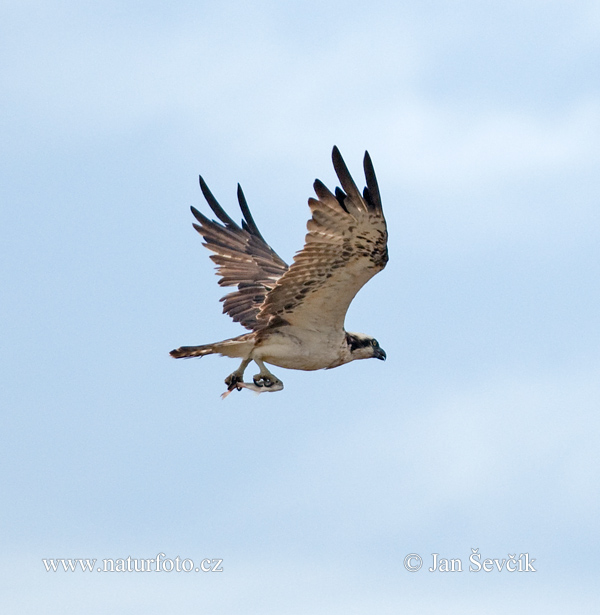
{"x": 267, "y": 381}
{"x": 232, "y": 382}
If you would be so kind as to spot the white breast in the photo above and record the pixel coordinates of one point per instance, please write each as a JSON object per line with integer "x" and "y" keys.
{"x": 297, "y": 348}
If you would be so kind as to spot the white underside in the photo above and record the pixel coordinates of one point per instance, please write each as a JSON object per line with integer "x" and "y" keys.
{"x": 295, "y": 348}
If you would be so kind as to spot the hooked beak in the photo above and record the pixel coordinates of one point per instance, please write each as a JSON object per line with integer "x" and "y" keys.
{"x": 380, "y": 354}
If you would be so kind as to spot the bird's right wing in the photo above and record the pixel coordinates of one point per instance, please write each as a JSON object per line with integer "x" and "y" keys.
{"x": 244, "y": 259}
{"x": 345, "y": 247}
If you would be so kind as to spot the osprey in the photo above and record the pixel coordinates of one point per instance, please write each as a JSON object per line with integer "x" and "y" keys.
{"x": 296, "y": 314}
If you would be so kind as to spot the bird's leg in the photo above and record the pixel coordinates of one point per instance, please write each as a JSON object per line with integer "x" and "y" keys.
{"x": 265, "y": 378}
{"x": 237, "y": 376}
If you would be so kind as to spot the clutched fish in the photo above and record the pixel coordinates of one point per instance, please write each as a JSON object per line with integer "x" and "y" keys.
{"x": 251, "y": 386}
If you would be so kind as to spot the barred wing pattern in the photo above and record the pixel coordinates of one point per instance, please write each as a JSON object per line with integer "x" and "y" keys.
{"x": 345, "y": 247}
{"x": 243, "y": 259}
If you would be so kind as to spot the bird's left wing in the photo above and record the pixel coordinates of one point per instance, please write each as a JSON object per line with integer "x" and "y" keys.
{"x": 345, "y": 247}
{"x": 244, "y": 259}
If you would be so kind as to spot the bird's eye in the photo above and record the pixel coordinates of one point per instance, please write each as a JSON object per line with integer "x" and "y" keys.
{"x": 374, "y": 344}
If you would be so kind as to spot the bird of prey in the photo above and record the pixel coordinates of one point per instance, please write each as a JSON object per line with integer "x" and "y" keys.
{"x": 296, "y": 314}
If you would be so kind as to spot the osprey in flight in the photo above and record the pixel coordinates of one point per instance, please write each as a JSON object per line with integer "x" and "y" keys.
{"x": 296, "y": 314}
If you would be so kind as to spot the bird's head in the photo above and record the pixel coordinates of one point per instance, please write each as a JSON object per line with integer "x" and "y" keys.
{"x": 363, "y": 346}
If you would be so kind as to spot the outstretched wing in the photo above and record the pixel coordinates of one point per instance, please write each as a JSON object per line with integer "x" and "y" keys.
{"x": 244, "y": 259}
{"x": 345, "y": 247}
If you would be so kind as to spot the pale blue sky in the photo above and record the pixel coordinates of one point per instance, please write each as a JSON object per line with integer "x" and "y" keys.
{"x": 480, "y": 430}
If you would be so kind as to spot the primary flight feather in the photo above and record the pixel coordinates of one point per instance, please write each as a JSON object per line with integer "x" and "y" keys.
{"x": 296, "y": 314}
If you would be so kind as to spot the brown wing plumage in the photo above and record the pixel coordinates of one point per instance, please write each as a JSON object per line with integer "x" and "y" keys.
{"x": 345, "y": 247}
{"x": 243, "y": 258}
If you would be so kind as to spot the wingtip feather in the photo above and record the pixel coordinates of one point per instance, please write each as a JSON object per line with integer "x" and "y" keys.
{"x": 214, "y": 205}
{"x": 343, "y": 174}
{"x": 372, "y": 189}
{"x": 248, "y": 222}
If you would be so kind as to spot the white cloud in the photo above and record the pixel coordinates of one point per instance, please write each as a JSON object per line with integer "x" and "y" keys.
{"x": 450, "y": 148}
{"x": 466, "y": 451}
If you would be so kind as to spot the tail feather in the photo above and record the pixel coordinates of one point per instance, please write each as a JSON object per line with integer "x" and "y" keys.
{"x": 240, "y": 347}
{"x": 187, "y": 352}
